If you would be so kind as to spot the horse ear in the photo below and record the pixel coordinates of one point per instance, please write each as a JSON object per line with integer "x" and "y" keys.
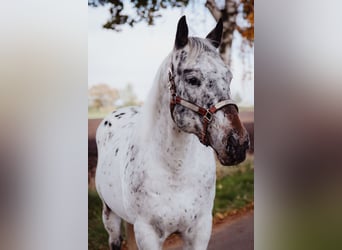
{"x": 182, "y": 33}
{"x": 216, "y": 34}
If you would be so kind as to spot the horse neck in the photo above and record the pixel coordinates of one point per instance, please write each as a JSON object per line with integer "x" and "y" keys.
{"x": 170, "y": 143}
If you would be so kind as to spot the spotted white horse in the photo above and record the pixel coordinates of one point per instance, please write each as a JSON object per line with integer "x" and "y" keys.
{"x": 156, "y": 167}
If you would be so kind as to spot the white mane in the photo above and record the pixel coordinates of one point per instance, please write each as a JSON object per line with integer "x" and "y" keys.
{"x": 149, "y": 109}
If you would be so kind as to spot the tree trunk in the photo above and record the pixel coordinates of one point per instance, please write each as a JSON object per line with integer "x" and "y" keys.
{"x": 228, "y": 15}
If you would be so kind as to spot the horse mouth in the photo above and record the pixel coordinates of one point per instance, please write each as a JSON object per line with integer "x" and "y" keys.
{"x": 233, "y": 155}
{"x": 231, "y": 161}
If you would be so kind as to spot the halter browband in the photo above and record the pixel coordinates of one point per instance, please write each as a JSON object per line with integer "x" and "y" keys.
{"x": 207, "y": 114}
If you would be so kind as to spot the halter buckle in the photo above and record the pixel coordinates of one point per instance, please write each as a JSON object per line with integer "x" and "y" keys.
{"x": 208, "y": 116}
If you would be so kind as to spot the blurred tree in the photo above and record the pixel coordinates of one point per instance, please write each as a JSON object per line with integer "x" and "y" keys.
{"x": 102, "y": 96}
{"x": 237, "y": 98}
{"x": 148, "y": 10}
{"x": 127, "y": 96}
{"x": 229, "y": 12}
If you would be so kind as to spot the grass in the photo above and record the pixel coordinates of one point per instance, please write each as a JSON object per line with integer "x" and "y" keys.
{"x": 97, "y": 114}
{"x": 246, "y": 109}
{"x": 234, "y": 190}
{"x": 97, "y": 235}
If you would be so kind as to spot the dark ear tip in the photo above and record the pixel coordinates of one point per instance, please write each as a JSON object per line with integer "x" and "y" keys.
{"x": 182, "y": 33}
{"x": 182, "y": 20}
{"x": 215, "y": 35}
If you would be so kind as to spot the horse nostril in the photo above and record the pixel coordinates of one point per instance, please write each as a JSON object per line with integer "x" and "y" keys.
{"x": 232, "y": 141}
{"x": 246, "y": 145}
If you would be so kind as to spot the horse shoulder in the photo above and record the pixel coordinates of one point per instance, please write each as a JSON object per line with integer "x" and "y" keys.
{"x": 113, "y": 139}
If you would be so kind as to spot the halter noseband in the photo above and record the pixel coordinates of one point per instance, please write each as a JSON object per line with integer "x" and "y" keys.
{"x": 207, "y": 114}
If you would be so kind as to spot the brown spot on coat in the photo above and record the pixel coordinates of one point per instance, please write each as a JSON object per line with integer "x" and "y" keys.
{"x": 233, "y": 117}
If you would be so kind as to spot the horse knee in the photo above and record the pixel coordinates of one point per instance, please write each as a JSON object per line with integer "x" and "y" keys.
{"x": 197, "y": 236}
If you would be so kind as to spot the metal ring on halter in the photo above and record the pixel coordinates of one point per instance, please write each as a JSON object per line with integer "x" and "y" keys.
{"x": 208, "y": 116}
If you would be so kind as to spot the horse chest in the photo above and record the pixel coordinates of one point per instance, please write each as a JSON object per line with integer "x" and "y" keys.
{"x": 175, "y": 198}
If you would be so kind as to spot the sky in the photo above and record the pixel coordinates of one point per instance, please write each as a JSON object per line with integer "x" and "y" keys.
{"x": 134, "y": 55}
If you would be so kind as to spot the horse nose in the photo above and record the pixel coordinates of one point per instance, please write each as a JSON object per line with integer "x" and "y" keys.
{"x": 235, "y": 149}
{"x": 245, "y": 145}
{"x": 233, "y": 141}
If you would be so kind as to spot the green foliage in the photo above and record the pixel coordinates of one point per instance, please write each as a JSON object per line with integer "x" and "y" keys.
{"x": 235, "y": 191}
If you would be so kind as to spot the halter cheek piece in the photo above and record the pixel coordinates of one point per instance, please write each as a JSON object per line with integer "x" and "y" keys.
{"x": 207, "y": 114}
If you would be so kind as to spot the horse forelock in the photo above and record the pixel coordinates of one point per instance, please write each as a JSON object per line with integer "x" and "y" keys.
{"x": 198, "y": 46}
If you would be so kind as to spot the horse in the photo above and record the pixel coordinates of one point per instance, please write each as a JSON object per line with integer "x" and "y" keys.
{"x": 156, "y": 165}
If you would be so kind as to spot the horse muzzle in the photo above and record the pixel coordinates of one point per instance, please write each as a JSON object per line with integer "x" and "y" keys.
{"x": 235, "y": 151}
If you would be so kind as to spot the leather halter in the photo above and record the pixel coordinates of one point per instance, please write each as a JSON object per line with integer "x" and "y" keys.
{"x": 207, "y": 114}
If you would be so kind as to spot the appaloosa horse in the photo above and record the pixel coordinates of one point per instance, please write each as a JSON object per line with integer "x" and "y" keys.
{"x": 156, "y": 167}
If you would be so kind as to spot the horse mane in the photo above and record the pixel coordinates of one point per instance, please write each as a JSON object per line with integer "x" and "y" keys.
{"x": 149, "y": 108}
{"x": 198, "y": 46}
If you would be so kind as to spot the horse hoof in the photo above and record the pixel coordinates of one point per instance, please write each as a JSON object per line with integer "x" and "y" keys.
{"x": 114, "y": 246}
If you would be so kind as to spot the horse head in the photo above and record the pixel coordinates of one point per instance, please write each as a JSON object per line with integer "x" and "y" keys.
{"x": 200, "y": 100}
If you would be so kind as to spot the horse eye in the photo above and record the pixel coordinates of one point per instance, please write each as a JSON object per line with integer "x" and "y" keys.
{"x": 194, "y": 81}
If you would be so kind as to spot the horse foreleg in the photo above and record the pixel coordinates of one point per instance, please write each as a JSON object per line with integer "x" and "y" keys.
{"x": 131, "y": 243}
{"x": 197, "y": 236}
{"x": 112, "y": 224}
{"x": 147, "y": 237}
